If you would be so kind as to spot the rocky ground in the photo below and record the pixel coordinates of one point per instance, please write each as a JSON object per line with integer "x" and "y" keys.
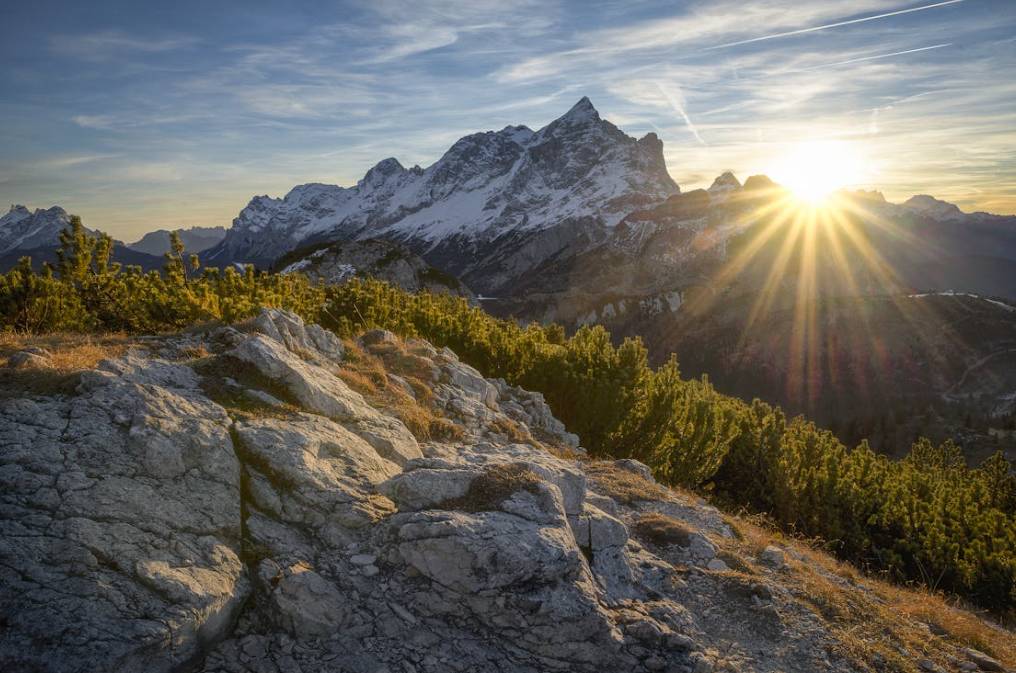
{"x": 269, "y": 498}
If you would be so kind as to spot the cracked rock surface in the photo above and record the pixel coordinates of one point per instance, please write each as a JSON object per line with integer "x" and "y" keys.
{"x": 147, "y": 528}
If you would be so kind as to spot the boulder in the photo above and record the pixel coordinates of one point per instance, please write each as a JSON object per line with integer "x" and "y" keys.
{"x": 120, "y": 534}
{"x": 320, "y": 391}
{"x": 316, "y": 473}
{"x": 312, "y": 341}
{"x": 304, "y": 603}
{"x": 472, "y": 552}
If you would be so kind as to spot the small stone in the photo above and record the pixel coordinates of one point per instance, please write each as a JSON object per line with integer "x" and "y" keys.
{"x": 772, "y": 556}
{"x": 263, "y": 397}
{"x": 718, "y": 565}
{"x": 635, "y": 467}
{"x": 680, "y": 642}
{"x": 24, "y": 359}
{"x": 370, "y": 571}
{"x": 982, "y": 660}
{"x": 363, "y": 559}
{"x": 378, "y": 336}
{"x": 655, "y": 663}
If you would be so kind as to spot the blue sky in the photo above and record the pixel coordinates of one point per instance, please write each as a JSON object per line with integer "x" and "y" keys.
{"x": 140, "y": 115}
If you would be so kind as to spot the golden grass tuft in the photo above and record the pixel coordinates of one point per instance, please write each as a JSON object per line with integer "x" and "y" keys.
{"x": 367, "y": 373}
{"x": 70, "y": 354}
{"x": 621, "y": 485}
{"x": 662, "y": 530}
{"x": 872, "y": 619}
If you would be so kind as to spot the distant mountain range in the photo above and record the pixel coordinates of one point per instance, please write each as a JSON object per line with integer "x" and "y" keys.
{"x": 195, "y": 240}
{"x": 579, "y": 223}
{"x": 36, "y": 234}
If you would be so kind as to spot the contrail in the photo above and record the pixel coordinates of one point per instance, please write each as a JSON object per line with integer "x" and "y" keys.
{"x": 680, "y": 109}
{"x": 873, "y": 58}
{"x": 835, "y": 25}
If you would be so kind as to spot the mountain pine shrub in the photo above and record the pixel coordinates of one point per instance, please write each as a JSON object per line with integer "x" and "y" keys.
{"x": 929, "y": 518}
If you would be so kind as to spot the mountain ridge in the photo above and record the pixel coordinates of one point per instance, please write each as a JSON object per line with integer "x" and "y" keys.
{"x": 195, "y": 239}
{"x": 490, "y": 188}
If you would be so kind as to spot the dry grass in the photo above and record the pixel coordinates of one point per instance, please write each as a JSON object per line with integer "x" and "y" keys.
{"x": 367, "y": 374}
{"x": 506, "y": 427}
{"x": 872, "y": 619}
{"x": 70, "y": 354}
{"x": 622, "y": 485}
{"x": 402, "y": 361}
{"x": 494, "y": 485}
{"x": 662, "y": 530}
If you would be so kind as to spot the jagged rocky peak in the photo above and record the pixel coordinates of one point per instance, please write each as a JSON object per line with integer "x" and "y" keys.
{"x": 16, "y": 212}
{"x": 381, "y": 171}
{"x": 577, "y": 176}
{"x": 21, "y": 229}
{"x": 582, "y": 112}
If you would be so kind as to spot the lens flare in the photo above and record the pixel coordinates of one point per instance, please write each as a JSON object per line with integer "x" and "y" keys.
{"x": 812, "y": 170}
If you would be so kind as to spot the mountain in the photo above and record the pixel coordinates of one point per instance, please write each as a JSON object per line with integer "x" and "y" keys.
{"x": 22, "y": 229}
{"x": 495, "y": 205}
{"x": 36, "y": 234}
{"x": 247, "y": 509}
{"x": 195, "y": 240}
{"x": 335, "y": 263}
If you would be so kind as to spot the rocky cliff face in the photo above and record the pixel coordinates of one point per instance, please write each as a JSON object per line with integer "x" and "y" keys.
{"x": 225, "y": 501}
{"x": 335, "y": 263}
{"x": 474, "y": 211}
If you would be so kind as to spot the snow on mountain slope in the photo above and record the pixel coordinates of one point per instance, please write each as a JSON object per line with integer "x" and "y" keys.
{"x": 578, "y": 168}
{"x": 22, "y": 229}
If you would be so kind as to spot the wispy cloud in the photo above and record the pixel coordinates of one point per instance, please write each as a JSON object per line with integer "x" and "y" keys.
{"x": 105, "y": 45}
{"x": 163, "y": 122}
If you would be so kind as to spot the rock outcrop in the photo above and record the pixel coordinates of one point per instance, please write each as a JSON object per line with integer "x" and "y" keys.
{"x": 181, "y": 514}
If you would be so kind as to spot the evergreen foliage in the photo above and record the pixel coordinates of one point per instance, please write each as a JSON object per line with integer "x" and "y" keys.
{"x": 928, "y": 518}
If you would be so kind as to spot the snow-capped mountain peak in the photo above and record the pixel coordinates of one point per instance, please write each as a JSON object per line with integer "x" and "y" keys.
{"x": 21, "y": 229}
{"x": 582, "y": 112}
{"x": 579, "y": 170}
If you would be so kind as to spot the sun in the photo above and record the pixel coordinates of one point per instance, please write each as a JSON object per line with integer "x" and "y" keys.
{"x": 814, "y": 169}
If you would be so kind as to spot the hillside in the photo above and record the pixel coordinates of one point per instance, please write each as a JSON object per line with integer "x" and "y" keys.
{"x": 334, "y": 263}
{"x": 378, "y": 505}
{"x": 885, "y": 368}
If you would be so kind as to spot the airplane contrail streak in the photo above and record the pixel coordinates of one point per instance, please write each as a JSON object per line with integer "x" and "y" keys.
{"x": 874, "y": 58}
{"x": 863, "y": 19}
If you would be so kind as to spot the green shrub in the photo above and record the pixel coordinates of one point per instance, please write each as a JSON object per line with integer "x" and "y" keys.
{"x": 928, "y": 518}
